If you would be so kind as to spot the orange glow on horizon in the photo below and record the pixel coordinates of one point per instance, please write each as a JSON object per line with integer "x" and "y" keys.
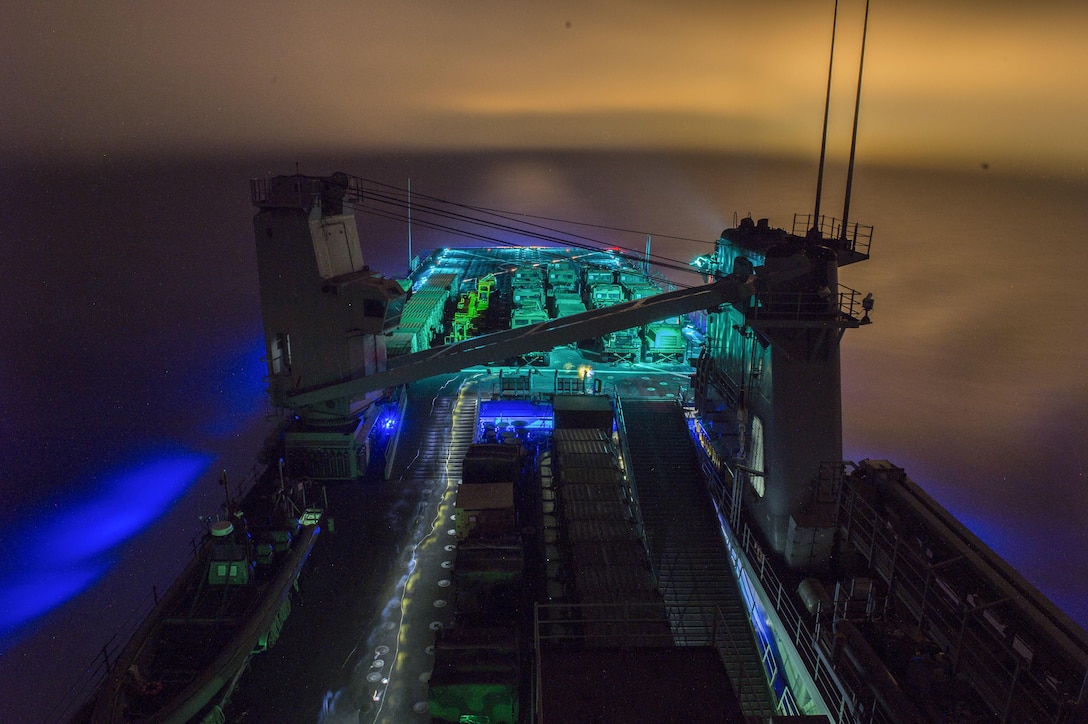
{"x": 992, "y": 82}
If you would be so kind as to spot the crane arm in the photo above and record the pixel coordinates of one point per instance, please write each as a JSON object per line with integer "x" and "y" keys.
{"x": 510, "y": 343}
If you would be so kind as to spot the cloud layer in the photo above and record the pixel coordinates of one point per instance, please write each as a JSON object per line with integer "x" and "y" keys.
{"x": 977, "y": 83}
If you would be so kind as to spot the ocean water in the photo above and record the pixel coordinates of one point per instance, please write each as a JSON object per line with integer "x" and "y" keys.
{"x": 129, "y": 304}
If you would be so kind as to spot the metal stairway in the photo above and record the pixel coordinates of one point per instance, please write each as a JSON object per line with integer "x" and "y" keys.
{"x": 686, "y": 547}
{"x": 440, "y": 438}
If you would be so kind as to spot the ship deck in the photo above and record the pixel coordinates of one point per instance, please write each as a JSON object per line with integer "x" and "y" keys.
{"x": 361, "y": 646}
{"x": 360, "y": 640}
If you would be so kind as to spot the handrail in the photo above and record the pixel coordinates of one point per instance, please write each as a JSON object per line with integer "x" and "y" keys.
{"x": 987, "y": 644}
{"x": 836, "y": 695}
{"x": 858, "y": 237}
{"x": 843, "y": 307}
{"x": 300, "y": 193}
{"x": 555, "y": 626}
{"x": 94, "y": 673}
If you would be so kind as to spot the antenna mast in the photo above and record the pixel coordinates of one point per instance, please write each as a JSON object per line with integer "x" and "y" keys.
{"x": 854, "y": 138}
{"x": 827, "y": 111}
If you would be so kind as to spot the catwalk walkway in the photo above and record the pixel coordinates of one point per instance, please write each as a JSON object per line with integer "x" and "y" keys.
{"x": 686, "y": 547}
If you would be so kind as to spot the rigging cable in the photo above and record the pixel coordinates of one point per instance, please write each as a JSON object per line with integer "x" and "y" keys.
{"x": 659, "y": 261}
{"x": 555, "y": 236}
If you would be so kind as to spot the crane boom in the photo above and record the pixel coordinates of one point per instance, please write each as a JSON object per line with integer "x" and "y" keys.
{"x": 510, "y": 343}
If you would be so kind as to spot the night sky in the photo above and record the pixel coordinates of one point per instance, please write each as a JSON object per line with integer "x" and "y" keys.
{"x": 128, "y": 293}
{"x": 976, "y": 81}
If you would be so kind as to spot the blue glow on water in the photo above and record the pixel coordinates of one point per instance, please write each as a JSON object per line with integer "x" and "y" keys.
{"x": 236, "y": 389}
{"x": 66, "y": 547}
{"x": 25, "y": 597}
{"x": 125, "y": 505}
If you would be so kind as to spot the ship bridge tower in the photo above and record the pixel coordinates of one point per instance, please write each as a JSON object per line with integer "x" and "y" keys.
{"x": 769, "y": 378}
{"x": 325, "y": 316}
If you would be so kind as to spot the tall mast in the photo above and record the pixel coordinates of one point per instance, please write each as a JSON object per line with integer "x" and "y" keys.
{"x": 854, "y": 138}
{"x": 827, "y": 111}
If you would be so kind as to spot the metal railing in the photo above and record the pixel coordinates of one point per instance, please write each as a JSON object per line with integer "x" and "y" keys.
{"x": 988, "y": 642}
{"x": 856, "y": 237}
{"x": 94, "y": 673}
{"x": 693, "y": 622}
{"x": 300, "y": 191}
{"x": 840, "y": 698}
{"x": 841, "y": 308}
{"x": 588, "y": 625}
